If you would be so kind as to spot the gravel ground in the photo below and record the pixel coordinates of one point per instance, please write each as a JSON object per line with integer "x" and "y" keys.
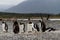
{"x": 35, "y": 36}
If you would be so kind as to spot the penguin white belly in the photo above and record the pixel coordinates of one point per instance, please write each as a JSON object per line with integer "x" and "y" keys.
{"x": 29, "y": 27}
{"x": 3, "y": 27}
{"x": 39, "y": 24}
{"x": 21, "y": 28}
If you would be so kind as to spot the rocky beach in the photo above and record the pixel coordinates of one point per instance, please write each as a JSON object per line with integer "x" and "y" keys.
{"x": 53, "y": 35}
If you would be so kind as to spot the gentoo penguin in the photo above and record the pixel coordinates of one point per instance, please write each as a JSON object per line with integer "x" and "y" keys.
{"x": 16, "y": 27}
{"x": 39, "y": 25}
{"x": 4, "y": 27}
{"x": 22, "y": 27}
{"x": 36, "y": 27}
{"x": 29, "y": 26}
{"x": 43, "y": 26}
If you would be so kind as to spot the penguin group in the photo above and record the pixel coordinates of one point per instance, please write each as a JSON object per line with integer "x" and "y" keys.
{"x": 40, "y": 27}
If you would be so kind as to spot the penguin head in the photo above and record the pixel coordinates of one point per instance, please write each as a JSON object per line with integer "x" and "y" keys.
{"x": 3, "y": 21}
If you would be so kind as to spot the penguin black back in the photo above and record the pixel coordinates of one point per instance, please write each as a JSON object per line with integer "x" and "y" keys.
{"x": 16, "y": 27}
{"x": 6, "y": 27}
{"x": 36, "y": 27}
{"x": 43, "y": 26}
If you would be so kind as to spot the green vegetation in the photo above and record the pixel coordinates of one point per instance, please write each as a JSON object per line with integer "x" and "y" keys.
{"x": 27, "y": 15}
